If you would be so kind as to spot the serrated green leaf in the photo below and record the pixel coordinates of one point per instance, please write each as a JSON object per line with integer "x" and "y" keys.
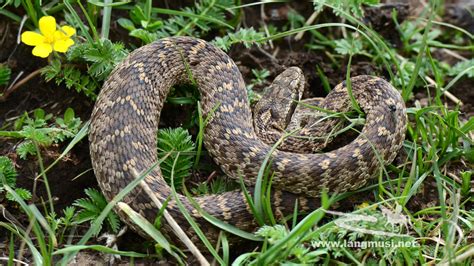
{"x": 461, "y": 66}
{"x": 22, "y": 192}
{"x": 69, "y": 213}
{"x": 87, "y": 205}
{"x": 346, "y": 47}
{"x": 5, "y": 73}
{"x": 7, "y": 169}
{"x": 91, "y": 207}
{"x": 177, "y": 142}
{"x": 246, "y": 36}
{"x": 26, "y": 148}
{"x": 114, "y": 222}
{"x": 97, "y": 198}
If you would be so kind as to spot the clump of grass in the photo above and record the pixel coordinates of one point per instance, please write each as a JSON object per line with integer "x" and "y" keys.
{"x": 365, "y": 236}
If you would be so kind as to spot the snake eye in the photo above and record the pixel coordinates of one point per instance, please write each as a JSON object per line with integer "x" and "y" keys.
{"x": 392, "y": 108}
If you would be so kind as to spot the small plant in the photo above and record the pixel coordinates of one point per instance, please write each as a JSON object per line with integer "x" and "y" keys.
{"x": 295, "y": 20}
{"x": 354, "y": 7}
{"x": 260, "y": 78}
{"x": 177, "y": 142}
{"x": 39, "y": 131}
{"x": 360, "y": 235}
{"x": 463, "y": 66}
{"x": 8, "y": 174}
{"x": 5, "y": 73}
{"x": 216, "y": 186}
{"x": 246, "y": 36}
{"x": 348, "y": 47}
{"x": 61, "y": 224}
{"x": 100, "y": 58}
{"x": 91, "y": 207}
{"x": 190, "y": 21}
{"x": 141, "y": 16}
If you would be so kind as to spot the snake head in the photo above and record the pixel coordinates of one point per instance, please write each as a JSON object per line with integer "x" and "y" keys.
{"x": 274, "y": 111}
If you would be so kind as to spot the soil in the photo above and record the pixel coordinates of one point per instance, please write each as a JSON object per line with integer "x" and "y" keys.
{"x": 73, "y": 174}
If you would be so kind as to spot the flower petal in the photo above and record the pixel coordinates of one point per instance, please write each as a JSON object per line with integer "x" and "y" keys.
{"x": 59, "y": 35}
{"x": 64, "y": 33}
{"x": 42, "y": 50}
{"x": 32, "y": 38}
{"x": 47, "y": 25}
{"x": 68, "y": 30}
{"x": 62, "y": 45}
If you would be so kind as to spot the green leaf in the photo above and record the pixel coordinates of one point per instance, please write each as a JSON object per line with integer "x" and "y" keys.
{"x": 144, "y": 35}
{"x": 87, "y": 205}
{"x": 69, "y": 213}
{"x": 68, "y": 115}
{"x": 40, "y": 135}
{"x": 97, "y": 198}
{"x": 346, "y": 47}
{"x": 469, "y": 126}
{"x": 154, "y": 25}
{"x": 22, "y": 192}
{"x": 39, "y": 114}
{"x": 7, "y": 169}
{"x": 177, "y": 142}
{"x": 5, "y": 73}
{"x": 91, "y": 208}
{"x": 246, "y": 36}
{"x": 354, "y": 7}
{"x": 137, "y": 14}
{"x": 126, "y": 24}
{"x": 26, "y": 148}
{"x": 102, "y": 249}
{"x": 114, "y": 222}
{"x": 461, "y": 66}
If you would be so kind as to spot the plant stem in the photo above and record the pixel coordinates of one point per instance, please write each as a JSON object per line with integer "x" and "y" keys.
{"x": 33, "y": 74}
{"x": 106, "y": 19}
{"x": 43, "y": 173}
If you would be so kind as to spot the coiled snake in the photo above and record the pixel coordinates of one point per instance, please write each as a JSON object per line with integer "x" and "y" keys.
{"x": 126, "y": 115}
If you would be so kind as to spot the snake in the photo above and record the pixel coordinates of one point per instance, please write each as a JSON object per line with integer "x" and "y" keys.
{"x": 126, "y": 115}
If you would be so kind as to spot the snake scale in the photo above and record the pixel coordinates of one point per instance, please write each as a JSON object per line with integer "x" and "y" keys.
{"x": 126, "y": 115}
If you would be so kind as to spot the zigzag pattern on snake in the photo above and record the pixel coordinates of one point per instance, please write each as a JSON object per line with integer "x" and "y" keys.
{"x": 126, "y": 115}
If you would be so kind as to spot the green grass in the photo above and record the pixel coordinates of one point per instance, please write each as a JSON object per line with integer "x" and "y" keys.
{"x": 438, "y": 144}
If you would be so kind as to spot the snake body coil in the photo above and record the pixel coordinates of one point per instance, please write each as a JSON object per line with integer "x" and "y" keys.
{"x": 126, "y": 115}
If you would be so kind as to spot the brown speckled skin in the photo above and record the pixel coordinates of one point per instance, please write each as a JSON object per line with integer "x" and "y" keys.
{"x": 125, "y": 121}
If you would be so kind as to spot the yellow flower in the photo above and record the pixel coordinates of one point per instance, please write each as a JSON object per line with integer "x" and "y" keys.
{"x": 366, "y": 205}
{"x": 50, "y": 38}
{"x": 363, "y": 205}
